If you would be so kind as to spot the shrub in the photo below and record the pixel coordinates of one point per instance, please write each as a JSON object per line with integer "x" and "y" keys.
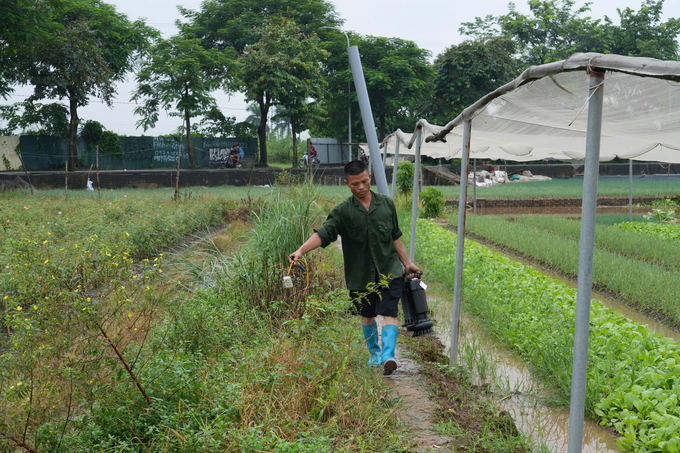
{"x": 5, "y": 161}
{"x": 433, "y": 202}
{"x": 405, "y": 177}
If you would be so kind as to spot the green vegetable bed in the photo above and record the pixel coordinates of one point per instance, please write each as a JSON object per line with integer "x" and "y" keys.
{"x": 668, "y": 232}
{"x": 633, "y": 374}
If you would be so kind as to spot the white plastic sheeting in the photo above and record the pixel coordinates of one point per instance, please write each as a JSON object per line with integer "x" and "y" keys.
{"x": 541, "y": 114}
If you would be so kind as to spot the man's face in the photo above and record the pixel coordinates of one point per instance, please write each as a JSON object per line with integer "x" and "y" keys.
{"x": 360, "y": 184}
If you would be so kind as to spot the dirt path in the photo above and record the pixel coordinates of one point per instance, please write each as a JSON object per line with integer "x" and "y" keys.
{"x": 416, "y": 409}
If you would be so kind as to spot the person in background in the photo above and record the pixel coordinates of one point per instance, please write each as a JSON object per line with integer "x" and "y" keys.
{"x": 373, "y": 259}
{"x": 235, "y": 156}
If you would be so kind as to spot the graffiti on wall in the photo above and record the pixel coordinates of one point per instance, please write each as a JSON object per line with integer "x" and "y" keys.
{"x": 166, "y": 151}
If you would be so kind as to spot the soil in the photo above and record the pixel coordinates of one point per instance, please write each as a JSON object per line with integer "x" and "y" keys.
{"x": 417, "y": 410}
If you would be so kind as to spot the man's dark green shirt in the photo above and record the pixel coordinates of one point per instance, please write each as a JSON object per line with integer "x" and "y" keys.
{"x": 367, "y": 239}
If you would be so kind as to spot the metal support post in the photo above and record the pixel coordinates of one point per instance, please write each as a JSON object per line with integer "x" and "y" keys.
{"x": 367, "y": 118}
{"x": 395, "y": 166}
{"x": 414, "y": 204}
{"x": 630, "y": 190}
{"x": 585, "y": 263}
{"x": 460, "y": 244}
{"x": 474, "y": 186}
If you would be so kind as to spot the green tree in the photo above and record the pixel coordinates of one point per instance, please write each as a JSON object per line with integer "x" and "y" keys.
{"x": 23, "y": 23}
{"x": 398, "y": 78}
{"x": 642, "y": 34}
{"x": 179, "y": 76}
{"x": 553, "y": 30}
{"x": 50, "y": 119}
{"x": 92, "y": 47}
{"x": 468, "y": 71}
{"x": 279, "y": 68}
{"x": 229, "y": 24}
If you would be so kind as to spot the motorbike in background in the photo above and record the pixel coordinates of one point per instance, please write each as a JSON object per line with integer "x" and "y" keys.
{"x": 304, "y": 160}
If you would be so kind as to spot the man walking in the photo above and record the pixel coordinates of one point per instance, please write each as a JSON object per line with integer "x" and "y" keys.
{"x": 373, "y": 256}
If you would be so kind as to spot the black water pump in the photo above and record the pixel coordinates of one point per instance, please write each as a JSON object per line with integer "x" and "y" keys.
{"x": 414, "y": 306}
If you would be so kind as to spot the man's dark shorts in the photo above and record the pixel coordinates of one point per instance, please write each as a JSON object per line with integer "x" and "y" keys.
{"x": 384, "y": 301}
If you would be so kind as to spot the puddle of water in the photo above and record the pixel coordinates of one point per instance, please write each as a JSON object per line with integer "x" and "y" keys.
{"x": 548, "y": 425}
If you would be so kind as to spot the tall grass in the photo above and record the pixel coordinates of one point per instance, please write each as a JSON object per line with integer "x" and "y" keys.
{"x": 653, "y": 289}
{"x": 237, "y": 365}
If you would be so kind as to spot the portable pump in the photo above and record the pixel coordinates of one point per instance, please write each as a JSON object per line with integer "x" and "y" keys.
{"x": 414, "y": 306}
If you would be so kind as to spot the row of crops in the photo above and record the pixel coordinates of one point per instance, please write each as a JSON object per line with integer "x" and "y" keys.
{"x": 641, "y": 268}
{"x": 633, "y": 373}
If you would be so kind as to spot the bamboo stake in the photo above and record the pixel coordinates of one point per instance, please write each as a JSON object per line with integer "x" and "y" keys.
{"x": 99, "y": 189}
{"x": 66, "y": 186}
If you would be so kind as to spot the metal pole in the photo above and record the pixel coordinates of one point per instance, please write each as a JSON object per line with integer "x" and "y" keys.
{"x": 630, "y": 190}
{"x": 384, "y": 156}
{"x": 460, "y": 244}
{"x": 474, "y": 185}
{"x": 414, "y": 204}
{"x": 395, "y": 166}
{"x": 585, "y": 264}
{"x": 349, "y": 105}
{"x": 367, "y": 118}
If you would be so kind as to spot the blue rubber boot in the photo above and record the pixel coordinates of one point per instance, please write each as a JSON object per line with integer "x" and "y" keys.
{"x": 371, "y": 336}
{"x": 389, "y": 343}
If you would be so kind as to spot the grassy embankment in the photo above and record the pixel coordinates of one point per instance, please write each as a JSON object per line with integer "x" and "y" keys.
{"x": 632, "y": 372}
{"x": 641, "y": 270}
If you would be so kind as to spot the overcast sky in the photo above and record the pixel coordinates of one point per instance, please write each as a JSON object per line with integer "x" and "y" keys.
{"x": 432, "y": 24}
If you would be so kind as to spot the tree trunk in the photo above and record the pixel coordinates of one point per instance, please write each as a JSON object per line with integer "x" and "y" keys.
{"x": 262, "y": 130}
{"x": 190, "y": 146}
{"x": 382, "y": 128}
{"x": 295, "y": 145}
{"x": 73, "y": 130}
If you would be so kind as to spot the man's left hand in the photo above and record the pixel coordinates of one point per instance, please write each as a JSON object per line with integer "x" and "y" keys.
{"x": 411, "y": 269}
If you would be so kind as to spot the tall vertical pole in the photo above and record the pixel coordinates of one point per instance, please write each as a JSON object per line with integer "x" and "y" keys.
{"x": 460, "y": 244}
{"x": 384, "y": 157}
{"x": 367, "y": 118}
{"x": 474, "y": 186}
{"x": 630, "y": 190}
{"x": 585, "y": 263}
{"x": 395, "y": 166}
{"x": 349, "y": 105}
{"x": 414, "y": 203}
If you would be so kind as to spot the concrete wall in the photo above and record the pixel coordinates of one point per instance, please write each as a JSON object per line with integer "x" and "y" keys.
{"x": 8, "y": 146}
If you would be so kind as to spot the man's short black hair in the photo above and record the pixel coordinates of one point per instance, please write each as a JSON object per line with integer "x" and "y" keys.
{"x": 356, "y": 167}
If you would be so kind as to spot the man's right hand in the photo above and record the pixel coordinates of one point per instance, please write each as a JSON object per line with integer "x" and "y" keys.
{"x": 294, "y": 258}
